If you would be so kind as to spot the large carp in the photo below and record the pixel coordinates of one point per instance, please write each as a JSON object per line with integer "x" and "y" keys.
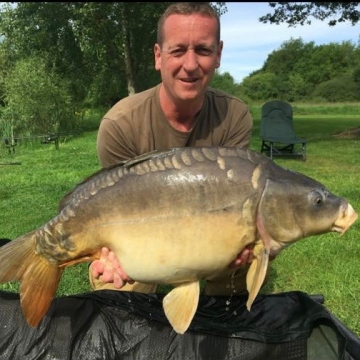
{"x": 174, "y": 217}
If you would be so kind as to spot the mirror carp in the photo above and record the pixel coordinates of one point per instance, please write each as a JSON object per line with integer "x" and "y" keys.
{"x": 174, "y": 217}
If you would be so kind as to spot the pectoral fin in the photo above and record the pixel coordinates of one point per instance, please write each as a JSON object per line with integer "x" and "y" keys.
{"x": 257, "y": 272}
{"x": 180, "y": 305}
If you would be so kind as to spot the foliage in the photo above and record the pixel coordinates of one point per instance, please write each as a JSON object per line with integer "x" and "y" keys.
{"x": 224, "y": 82}
{"x": 37, "y": 100}
{"x": 341, "y": 88}
{"x": 31, "y": 29}
{"x": 104, "y": 50}
{"x": 299, "y": 13}
{"x": 5, "y": 67}
{"x": 315, "y": 72}
{"x": 296, "y": 71}
{"x": 261, "y": 86}
{"x": 85, "y": 43}
{"x": 121, "y": 45}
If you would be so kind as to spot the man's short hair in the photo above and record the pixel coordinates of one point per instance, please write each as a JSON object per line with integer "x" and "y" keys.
{"x": 187, "y": 8}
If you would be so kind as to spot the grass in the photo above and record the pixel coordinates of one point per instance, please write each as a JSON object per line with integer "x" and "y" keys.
{"x": 327, "y": 264}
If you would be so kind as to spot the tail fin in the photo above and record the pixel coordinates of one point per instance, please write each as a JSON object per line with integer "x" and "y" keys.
{"x": 38, "y": 278}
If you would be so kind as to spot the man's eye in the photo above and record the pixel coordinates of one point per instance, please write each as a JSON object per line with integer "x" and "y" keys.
{"x": 203, "y": 51}
{"x": 177, "y": 52}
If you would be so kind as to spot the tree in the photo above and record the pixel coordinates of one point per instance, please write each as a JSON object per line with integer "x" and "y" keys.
{"x": 45, "y": 30}
{"x": 300, "y": 13}
{"x": 298, "y": 68}
{"x": 224, "y": 82}
{"x": 119, "y": 36}
{"x": 261, "y": 86}
{"x": 105, "y": 49}
{"x": 321, "y": 64}
{"x": 284, "y": 60}
{"x": 37, "y": 101}
{"x": 341, "y": 88}
{"x": 90, "y": 44}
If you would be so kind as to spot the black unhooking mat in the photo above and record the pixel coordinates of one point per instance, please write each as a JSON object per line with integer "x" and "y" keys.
{"x": 109, "y": 325}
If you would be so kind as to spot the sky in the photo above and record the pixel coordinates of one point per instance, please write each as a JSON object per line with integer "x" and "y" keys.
{"x": 248, "y": 42}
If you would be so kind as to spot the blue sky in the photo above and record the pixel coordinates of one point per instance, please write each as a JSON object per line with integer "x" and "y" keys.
{"x": 248, "y": 42}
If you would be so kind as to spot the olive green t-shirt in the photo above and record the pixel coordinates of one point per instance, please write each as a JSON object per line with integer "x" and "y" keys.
{"x": 136, "y": 125}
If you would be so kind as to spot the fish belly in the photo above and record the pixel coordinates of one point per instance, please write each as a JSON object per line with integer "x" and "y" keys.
{"x": 172, "y": 250}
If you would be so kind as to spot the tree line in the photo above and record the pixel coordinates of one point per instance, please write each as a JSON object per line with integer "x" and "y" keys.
{"x": 57, "y": 58}
{"x": 299, "y": 71}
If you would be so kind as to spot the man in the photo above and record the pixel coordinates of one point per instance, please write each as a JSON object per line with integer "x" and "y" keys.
{"x": 181, "y": 111}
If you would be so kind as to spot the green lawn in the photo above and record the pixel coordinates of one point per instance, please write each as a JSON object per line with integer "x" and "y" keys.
{"x": 326, "y": 264}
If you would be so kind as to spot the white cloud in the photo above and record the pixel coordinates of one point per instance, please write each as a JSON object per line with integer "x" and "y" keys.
{"x": 248, "y": 42}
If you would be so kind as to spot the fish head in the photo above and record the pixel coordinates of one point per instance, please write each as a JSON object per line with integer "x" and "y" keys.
{"x": 294, "y": 206}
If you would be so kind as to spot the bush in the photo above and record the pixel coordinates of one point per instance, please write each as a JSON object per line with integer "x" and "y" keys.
{"x": 37, "y": 100}
{"x": 261, "y": 86}
{"x": 341, "y": 88}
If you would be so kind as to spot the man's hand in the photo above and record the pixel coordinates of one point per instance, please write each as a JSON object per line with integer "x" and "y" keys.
{"x": 244, "y": 257}
{"x": 109, "y": 269}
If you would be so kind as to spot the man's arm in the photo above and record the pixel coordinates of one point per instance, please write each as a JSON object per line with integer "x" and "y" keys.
{"x": 113, "y": 143}
{"x": 240, "y": 129}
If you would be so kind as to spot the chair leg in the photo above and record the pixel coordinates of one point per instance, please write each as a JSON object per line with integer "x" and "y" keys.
{"x": 304, "y": 151}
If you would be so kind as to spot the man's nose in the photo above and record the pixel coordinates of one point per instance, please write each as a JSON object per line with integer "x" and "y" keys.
{"x": 190, "y": 61}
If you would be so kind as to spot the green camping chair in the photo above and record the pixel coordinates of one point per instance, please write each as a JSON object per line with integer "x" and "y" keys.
{"x": 277, "y": 131}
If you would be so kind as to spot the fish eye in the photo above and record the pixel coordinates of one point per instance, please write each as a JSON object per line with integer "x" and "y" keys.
{"x": 317, "y": 198}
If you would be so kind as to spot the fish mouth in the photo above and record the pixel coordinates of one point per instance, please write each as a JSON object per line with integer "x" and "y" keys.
{"x": 347, "y": 216}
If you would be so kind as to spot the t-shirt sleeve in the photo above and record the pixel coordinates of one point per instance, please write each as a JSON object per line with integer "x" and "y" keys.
{"x": 114, "y": 144}
{"x": 240, "y": 128}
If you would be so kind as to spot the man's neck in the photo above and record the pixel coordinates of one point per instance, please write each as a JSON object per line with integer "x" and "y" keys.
{"x": 180, "y": 116}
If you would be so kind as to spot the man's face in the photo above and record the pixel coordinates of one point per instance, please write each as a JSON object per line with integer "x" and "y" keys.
{"x": 189, "y": 55}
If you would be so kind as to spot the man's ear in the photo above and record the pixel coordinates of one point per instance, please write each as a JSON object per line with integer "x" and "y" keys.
{"x": 219, "y": 52}
{"x": 157, "y": 54}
